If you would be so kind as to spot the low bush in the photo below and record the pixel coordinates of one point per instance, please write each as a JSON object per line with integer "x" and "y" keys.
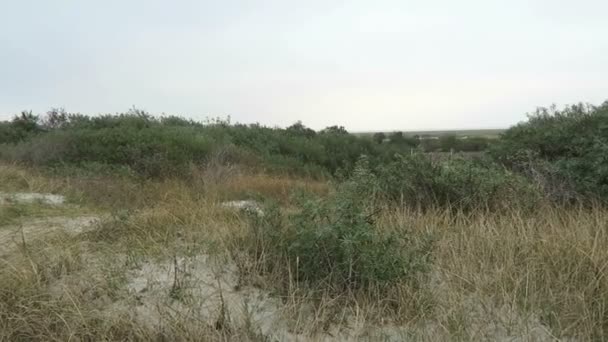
{"x": 335, "y": 241}
{"x": 418, "y": 181}
{"x": 168, "y": 146}
{"x": 561, "y": 152}
{"x": 22, "y": 127}
{"x": 571, "y": 144}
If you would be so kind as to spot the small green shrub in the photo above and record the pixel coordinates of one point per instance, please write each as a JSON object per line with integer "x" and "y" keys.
{"x": 335, "y": 242}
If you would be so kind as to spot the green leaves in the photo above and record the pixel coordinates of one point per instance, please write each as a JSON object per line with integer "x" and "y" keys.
{"x": 417, "y": 181}
{"x": 336, "y": 241}
{"x": 572, "y": 141}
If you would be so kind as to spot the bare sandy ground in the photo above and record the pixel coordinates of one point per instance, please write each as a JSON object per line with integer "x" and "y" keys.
{"x": 31, "y": 197}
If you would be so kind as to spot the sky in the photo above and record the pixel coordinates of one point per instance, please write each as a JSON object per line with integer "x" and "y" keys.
{"x": 377, "y": 65}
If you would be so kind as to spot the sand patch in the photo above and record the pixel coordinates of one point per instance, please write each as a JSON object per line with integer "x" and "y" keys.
{"x": 31, "y": 197}
{"x": 249, "y": 206}
{"x": 209, "y": 288}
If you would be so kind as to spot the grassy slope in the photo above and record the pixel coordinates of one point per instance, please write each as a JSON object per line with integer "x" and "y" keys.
{"x": 495, "y": 275}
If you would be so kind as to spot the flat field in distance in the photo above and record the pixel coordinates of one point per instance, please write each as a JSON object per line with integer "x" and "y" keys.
{"x": 485, "y": 133}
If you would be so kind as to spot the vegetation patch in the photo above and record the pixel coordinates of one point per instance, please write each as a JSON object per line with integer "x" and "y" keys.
{"x": 565, "y": 150}
{"x": 335, "y": 243}
{"x": 389, "y": 236}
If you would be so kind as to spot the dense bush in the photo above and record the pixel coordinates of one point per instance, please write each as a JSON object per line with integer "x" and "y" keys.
{"x": 335, "y": 240}
{"x": 153, "y": 151}
{"x": 419, "y": 181}
{"x": 564, "y": 152}
{"x": 568, "y": 145}
{"x": 168, "y": 145}
{"x": 20, "y": 128}
{"x": 399, "y": 139}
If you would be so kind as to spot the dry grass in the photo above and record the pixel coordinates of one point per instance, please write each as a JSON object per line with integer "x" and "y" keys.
{"x": 277, "y": 188}
{"x": 16, "y": 178}
{"x": 549, "y": 265}
{"x": 496, "y": 276}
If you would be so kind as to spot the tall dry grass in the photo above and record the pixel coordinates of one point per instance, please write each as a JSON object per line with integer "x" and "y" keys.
{"x": 549, "y": 264}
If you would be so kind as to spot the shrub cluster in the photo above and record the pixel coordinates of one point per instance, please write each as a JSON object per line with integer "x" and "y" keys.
{"x": 156, "y": 147}
{"x": 462, "y": 184}
{"x": 166, "y": 146}
{"x": 565, "y": 150}
{"x": 336, "y": 241}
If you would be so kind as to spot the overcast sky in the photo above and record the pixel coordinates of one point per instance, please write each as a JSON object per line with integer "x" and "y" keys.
{"x": 366, "y": 65}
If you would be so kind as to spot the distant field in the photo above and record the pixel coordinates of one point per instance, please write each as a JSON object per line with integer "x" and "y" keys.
{"x": 488, "y": 133}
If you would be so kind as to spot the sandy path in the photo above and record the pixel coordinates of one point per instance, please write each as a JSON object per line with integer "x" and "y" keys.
{"x": 38, "y": 228}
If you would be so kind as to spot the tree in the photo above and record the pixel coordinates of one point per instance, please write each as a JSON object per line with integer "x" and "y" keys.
{"x": 396, "y": 138}
{"x": 399, "y": 139}
{"x": 299, "y": 129}
{"x": 18, "y": 129}
{"x": 55, "y": 118}
{"x": 26, "y": 121}
{"x": 340, "y": 130}
{"x": 379, "y": 137}
{"x": 448, "y": 142}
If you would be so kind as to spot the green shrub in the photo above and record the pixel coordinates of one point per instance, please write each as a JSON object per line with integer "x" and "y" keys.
{"x": 158, "y": 147}
{"x": 22, "y": 127}
{"x": 418, "y": 181}
{"x": 335, "y": 242}
{"x": 399, "y": 139}
{"x": 154, "y": 151}
{"x": 571, "y": 144}
{"x": 48, "y": 149}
